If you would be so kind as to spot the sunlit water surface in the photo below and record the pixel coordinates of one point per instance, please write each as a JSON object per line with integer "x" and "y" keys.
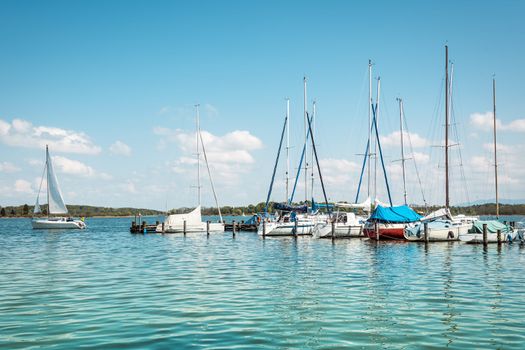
{"x": 107, "y": 288}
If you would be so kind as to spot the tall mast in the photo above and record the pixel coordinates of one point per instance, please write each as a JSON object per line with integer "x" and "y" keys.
{"x": 197, "y": 134}
{"x": 48, "y": 182}
{"x": 447, "y": 200}
{"x": 287, "y": 148}
{"x": 305, "y": 142}
{"x": 312, "y": 163}
{"x": 369, "y": 119}
{"x": 495, "y": 154}
{"x": 375, "y": 141}
{"x": 401, "y": 112}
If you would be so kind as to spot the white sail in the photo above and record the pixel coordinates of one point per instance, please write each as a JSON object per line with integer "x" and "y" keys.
{"x": 191, "y": 218}
{"x": 55, "y": 201}
{"x": 37, "y": 209}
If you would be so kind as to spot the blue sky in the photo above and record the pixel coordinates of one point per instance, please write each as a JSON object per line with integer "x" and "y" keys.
{"x": 111, "y": 86}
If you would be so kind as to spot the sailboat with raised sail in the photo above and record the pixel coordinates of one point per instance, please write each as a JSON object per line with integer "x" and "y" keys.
{"x": 192, "y": 222}
{"x": 55, "y": 203}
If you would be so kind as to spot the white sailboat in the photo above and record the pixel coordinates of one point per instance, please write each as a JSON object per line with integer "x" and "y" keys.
{"x": 507, "y": 233}
{"x": 192, "y": 222}
{"x": 441, "y": 226}
{"x": 55, "y": 204}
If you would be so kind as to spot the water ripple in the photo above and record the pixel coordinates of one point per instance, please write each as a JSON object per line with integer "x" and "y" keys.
{"x": 106, "y": 288}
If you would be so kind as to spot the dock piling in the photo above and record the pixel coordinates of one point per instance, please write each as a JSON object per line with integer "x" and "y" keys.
{"x": 376, "y": 230}
{"x": 264, "y": 228}
{"x": 295, "y": 228}
{"x": 208, "y": 228}
{"x": 233, "y": 229}
{"x": 163, "y": 230}
{"x": 485, "y": 234}
{"x": 333, "y": 230}
{"x": 499, "y": 237}
{"x": 425, "y": 227}
{"x": 184, "y": 227}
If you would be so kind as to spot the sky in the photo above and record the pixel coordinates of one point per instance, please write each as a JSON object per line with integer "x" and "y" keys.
{"x": 111, "y": 87}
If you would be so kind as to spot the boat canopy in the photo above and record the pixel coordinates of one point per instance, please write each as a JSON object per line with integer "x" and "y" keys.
{"x": 438, "y": 214}
{"x": 286, "y": 207}
{"x": 364, "y": 205}
{"x": 191, "y": 218}
{"x": 399, "y": 214}
{"x": 492, "y": 226}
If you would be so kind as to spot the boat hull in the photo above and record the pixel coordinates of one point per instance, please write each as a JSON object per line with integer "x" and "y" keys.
{"x": 386, "y": 231}
{"x": 57, "y": 224}
{"x": 215, "y": 227}
{"x": 286, "y": 229}
{"x": 343, "y": 231}
{"x": 451, "y": 233}
{"x": 477, "y": 238}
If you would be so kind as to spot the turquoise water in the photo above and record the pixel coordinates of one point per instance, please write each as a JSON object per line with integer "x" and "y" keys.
{"x": 107, "y": 288}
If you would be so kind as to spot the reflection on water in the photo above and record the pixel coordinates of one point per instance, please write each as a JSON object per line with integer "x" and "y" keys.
{"x": 104, "y": 287}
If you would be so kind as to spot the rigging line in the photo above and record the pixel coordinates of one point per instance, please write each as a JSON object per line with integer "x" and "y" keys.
{"x": 365, "y": 156}
{"x": 275, "y": 166}
{"x": 318, "y": 167}
{"x": 374, "y": 122}
{"x": 415, "y": 163}
{"x": 461, "y": 167}
{"x": 299, "y": 168}
{"x": 209, "y": 174}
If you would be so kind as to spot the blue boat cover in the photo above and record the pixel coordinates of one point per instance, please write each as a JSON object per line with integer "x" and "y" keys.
{"x": 400, "y": 214}
{"x": 286, "y": 207}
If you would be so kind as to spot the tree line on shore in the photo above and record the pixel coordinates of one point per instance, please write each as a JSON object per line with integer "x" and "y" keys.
{"x": 88, "y": 211}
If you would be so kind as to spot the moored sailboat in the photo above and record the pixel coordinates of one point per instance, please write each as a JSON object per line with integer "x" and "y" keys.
{"x": 192, "y": 222}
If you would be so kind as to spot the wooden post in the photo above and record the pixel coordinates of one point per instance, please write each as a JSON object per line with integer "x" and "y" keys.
{"x": 264, "y": 228}
{"x": 485, "y": 234}
{"x": 233, "y": 228}
{"x": 163, "y": 228}
{"x": 184, "y": 227}
{"x": 376, "y": 230}
{"x": 295, "y": 228}
{"x": 143, "y": 227}
{"x": 208, "y": 227}
{"x": 499, "y": 237}
{"x": 333, "y": 230}
{"x": 425, "y": 227}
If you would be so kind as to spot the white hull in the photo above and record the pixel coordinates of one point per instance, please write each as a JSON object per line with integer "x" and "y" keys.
{"x": 342, "y": 231}
{"x": 57, "y": 223}
{"x": 303, "y": 228}
{"x": 215, "y": 227}
{"x": 451, "y": 233}
{"x": 477, "y": 238}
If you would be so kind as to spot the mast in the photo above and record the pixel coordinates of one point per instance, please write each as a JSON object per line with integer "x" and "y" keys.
{"x": 287, "y": 147}
{"x": 197, "y": 133}
{"x": 306, "y": 122}
{"x": 312, "y": 163}
{"x": 376, "y": 140}
{"x": 369, "y": 118}
{"x": 401, "y": 112}
{"x": 495, "y": 154}
{"x": 447, "y": 200}
{"x": 48, "y": 182}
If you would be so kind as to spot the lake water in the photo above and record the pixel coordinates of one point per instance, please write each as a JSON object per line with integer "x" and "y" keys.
{"x": 106, "y": 288}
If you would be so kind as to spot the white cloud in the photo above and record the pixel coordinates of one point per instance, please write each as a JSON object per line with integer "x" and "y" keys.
{"x": 485, "y": 121}
{"x": 23, "y": 186}
{"x": 6, "y": 167}
{"x": 75, "y": 167}
{"x": 338, "y": 172}
{"x": 229, "y": 155}
{"x": 21, "y": 133}
{"x": 394, "y": 139}
{"x": 120, "y": 148}
{"x": 128, "y": 187}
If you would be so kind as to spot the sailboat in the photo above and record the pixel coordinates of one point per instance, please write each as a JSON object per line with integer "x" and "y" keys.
{"x": 192, "y": 222}
{"x": 441, "y": 226}
{"x": 55, "y": 204}
{"x": 508, "y": 233}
